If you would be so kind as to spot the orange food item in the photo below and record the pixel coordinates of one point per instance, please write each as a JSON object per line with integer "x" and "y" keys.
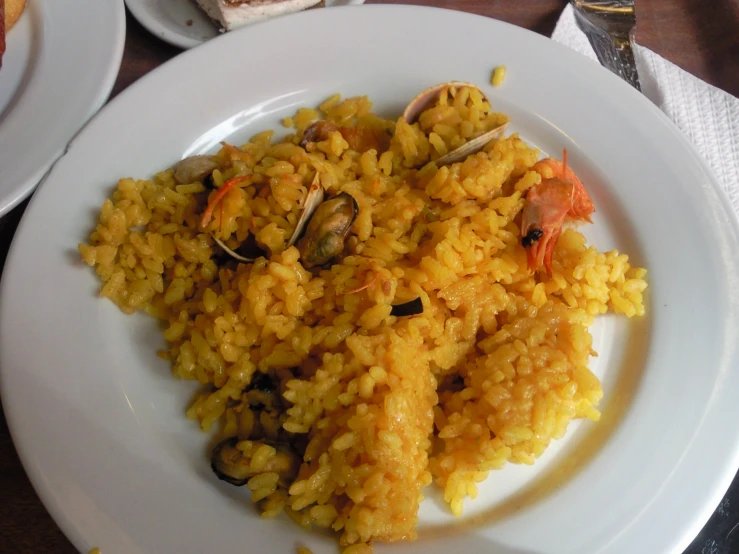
{"x": 2, "y": 31}
{"x": 560, "y": 194}
{"x": 13, "y": 11}
{"x": 10, "y": 11}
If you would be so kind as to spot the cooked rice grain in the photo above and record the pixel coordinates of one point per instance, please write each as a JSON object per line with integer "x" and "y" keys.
{"x": 498, "y": 76}
{"x": 376, "y": 407}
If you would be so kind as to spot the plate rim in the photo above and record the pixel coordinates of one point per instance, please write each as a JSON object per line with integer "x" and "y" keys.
{"x": 93, "y": 102}
{"x": 153, "y": 25}
{"x": 140, "y": 11}
{"x": 718, "y": 491}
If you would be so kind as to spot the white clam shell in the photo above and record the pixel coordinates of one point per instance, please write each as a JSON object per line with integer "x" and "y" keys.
{"x": 312, "y": 200}
{"x": 231, "y": 253}
{"x": 425, "y": 99}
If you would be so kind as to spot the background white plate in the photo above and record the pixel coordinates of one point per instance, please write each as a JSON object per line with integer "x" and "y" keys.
{"x": 58, "y": 69}
{"x": 99, "y": 422}
{"x": 182, "y": 23}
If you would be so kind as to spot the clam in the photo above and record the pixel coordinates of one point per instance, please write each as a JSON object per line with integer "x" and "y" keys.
{"x": 359, "y": 138}
{"x": 233, "y": 254}
{"x": 470, "y": 147}
{"x": 247, "y": 252}
{"x": 194, "y": 169}
{"x": 313, "y": 199}
{"x": 230, "y": 464}
{"x": 317, "y": 131}
{"x": 327, "y": 230}
{"x": 427, "y": 98}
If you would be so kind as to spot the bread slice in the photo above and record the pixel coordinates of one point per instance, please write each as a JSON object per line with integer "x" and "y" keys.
{"x": 231, "y": 14}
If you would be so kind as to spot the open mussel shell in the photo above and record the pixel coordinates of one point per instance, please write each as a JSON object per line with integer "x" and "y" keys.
{"x": 427, "y": 99}
{"x": 312, "y": 200}
{"x": 413, "y": 307}
{"x": 327, "y": 230}
{"x": 225, "y": 463}
{"x": 230, "y": 465}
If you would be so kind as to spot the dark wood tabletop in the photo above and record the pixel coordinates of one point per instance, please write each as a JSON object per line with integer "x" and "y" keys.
{"x": 701, "y": 36}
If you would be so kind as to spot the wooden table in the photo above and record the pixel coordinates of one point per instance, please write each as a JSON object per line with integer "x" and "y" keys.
{"x": 698, "y": 35}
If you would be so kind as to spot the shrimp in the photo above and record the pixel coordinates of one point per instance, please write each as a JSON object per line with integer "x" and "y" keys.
{"x": 582, "y": 205}
{"x": 560, "y": 194}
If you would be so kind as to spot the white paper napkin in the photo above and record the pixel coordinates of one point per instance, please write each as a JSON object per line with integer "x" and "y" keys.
{"x": 708, "y": 116}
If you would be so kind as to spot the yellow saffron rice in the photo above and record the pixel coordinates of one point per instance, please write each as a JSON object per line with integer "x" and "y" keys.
{"x": 498, "y": 76}
{"x": 375, "y": 407}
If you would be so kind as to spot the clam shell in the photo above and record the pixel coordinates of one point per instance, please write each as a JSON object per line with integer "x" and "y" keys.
{"x": 231, "y": 253}
{"x": 426, "y": 98}
{"x": 312, "y": 200}
{"x": 423, "y": 100}
{"x": 193, "y": 168}
{"x": 471, "y": 147}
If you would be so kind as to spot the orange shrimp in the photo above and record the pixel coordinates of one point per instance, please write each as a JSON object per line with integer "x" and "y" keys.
{"x": 560, "y": 194}
{"x": 582, "y": 205}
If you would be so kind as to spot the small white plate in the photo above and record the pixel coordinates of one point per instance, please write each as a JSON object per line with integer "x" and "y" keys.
{"x": 182, "y": 23}
{"x": 99, "y": 421}
{"x": 59, "y": 66}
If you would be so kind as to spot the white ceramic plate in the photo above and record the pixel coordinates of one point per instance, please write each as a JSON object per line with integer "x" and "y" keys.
{"x": 51, "y": 82}
{"x": 182, "y": 23}
{"x": 99, "y": 422}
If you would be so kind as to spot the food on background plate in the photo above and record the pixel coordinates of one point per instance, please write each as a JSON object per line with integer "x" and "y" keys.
{"x": 365, "y": 320}
{"x": 13, "y": 11}
{"x": 2, "y": 31}
{"x": 498, "y": 76}
{"x": 10, "y": 11}
{"x": 231, "y": 14}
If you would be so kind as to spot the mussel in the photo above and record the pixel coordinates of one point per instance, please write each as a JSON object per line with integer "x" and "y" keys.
{"x": 194, "y": 168}
{"x": 413, "y": 307}
{"x": 232, "y": 465}
{"x": 427, "y": 99}
{"x": 323, "y": 227}
{"x": 327, "y": 229}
